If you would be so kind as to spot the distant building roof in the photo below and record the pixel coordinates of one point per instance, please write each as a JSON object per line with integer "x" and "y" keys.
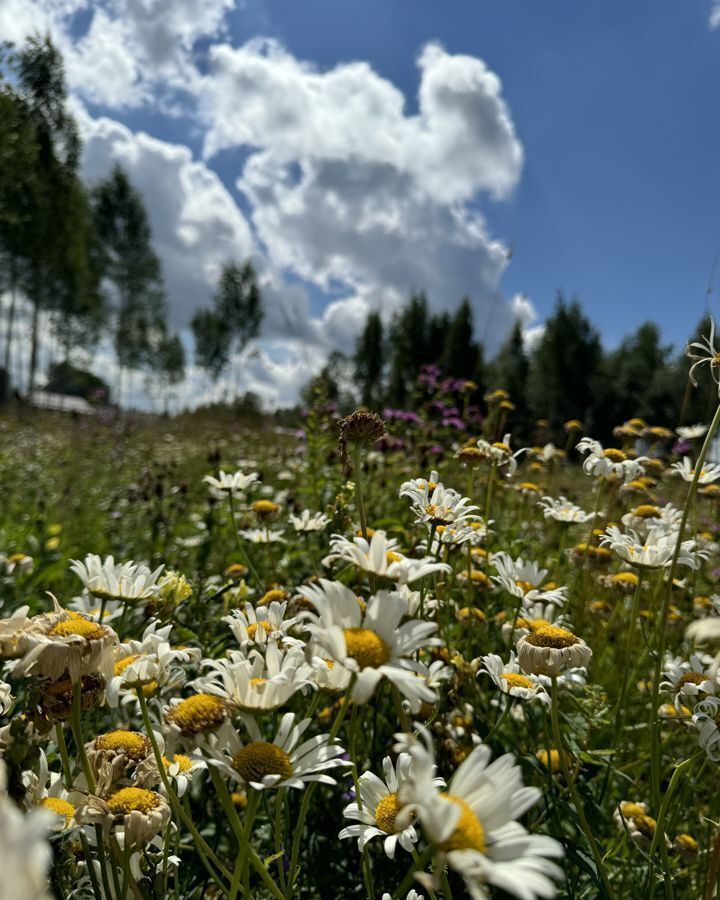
{"x": 61, "y": 403}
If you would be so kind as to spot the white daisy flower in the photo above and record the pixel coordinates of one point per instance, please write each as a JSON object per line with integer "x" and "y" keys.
{"x": 473, "y": 826}
{"x": 434, "y": 504}
{"x": 231, "y": 483}
{"x": 308, "y": 523}
{"x": 259, "y": 682}
{"x": 377, "y": 813}
{"x": 500, "y": 452}
{"x": 709, "y": 473}
{"x": 517, "y": 576}
{"x": 511, "y": 681}
{"x": 284, "y": 762}
{"x": 610, "y": 462}
{"x": 258, "y": 626}
{"x": 691, "y": 432}
{"x": 262, "y": 535}
{"x": 689, "y": 679}
{"x": 372, "y": 644}
{"x": 107, "y": 580}
{"x": 379, "y": 558}
{"x": 655, "y": 551}
{"x": 26, "y": 853}
{"x": 563, "y": 510}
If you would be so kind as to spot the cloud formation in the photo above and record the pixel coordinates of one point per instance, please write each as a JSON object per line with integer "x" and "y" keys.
{"x": 348, "y": 190}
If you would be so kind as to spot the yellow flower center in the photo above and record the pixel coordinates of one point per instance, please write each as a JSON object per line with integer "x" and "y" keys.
{"x": 392, "y": 557}
{"x": 691, "y": 678}
{"x": 533, "y": 624}
{"x": 122, "y": 664}
{"x": 198, "y": 713}
{"x": 646, "y": 511}
{"x": 264, "y": 507}
{"x": 625, "y": 578}
{"x": 184, "y": 763}
{"x": 514, "y": 679}
{"x": 61, "y": 807}
{"x": 366, "y": 647}
{"x": 83, "y": 628}
{"x": 274, "y": 594}
{"x": 386, "y": 812}
{"x": 632, "y": 810}
{"x": 687, "y": 843}
{"x": 468, "y": 834}
{"x": 500, "y": 445}
{"x": 524, "y": 586}
{"x": 252, "y": 628}
{"x": 16, "y": 557}
{"x": 550, "y": 759}
{"x": 551, "y": 636}
{"x": 131, "y": 743}
{"x": 614, "y": 455}
{"x": 132, "y": 799}
{"x": 260, "y": 758}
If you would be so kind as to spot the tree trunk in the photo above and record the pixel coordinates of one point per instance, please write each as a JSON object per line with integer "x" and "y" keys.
{"x": 11, "y": 315}
{"x": 34, "y": 347}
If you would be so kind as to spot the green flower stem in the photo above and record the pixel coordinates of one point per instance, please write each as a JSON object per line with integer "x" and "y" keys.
{"x": 660, "y": 826}
{"x": 420, "y": 861}
{"x": 577, "y": 803}
{"x": 357, "y": 466}
{"x": 366, "y": 862}
{"x": 620, "y": 708}
{"x": 655, "y": 748}
{"x": 307, "y": 796}
{"x": 278, "y": 832}
{"x": 238, "y": 543}
{"x": 489, "y": 493}
{"x": 204, "y": 851}
{"x": 64, "y": 756}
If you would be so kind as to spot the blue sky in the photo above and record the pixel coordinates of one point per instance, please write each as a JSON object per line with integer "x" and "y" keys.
{"x": 616, "y": 105}
{"x": 369, "y": 148}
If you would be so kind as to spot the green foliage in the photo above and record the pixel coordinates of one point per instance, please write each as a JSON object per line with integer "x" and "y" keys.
{"x": 65, "y": 378}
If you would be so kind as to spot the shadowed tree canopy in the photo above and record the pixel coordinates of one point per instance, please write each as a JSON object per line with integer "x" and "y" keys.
{"x": 131, "y": 271}
{"x": 369, "y": 361}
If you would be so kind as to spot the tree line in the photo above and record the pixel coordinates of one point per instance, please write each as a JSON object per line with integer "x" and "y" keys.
{"x": 566, "y": 374}
{"x": 79, "y": 258}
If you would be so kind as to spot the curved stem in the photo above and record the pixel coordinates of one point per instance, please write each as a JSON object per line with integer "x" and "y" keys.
{"x": 577, "y": 803}
{"x": 357, "y": 465}
{"x": 655, "y": 750}
{"x": 620, "y": 709}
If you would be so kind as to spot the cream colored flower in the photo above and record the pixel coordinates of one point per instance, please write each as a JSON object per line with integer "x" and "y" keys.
{"x": 550, "y": 651}
{"x": 138, "y": 813}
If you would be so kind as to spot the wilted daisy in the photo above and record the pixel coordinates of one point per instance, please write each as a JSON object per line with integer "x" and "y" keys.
{"x": 179, "y": 768}
{"x": 378, "y": 557}
{"x": 654, "y": 551}
{"x": 551, "y": 651}
{"x": 511, "y": 681}
{"x": 107, "y": 580}
{"x": 704, "y": 352}
{"x": 562, "y": 510}
{"x": 500, "y": 453}
{"x": 114, "y": 753}
{"x": 533, "y": 614}
{"x": 632, "y": 817}
{"x": 309, "y": 523}
{"x": 284, "y": 762}
{"x": 473, "y": 825}
{"x": 137, "y": 814}
{"x": 63, "y": 642}
{"x": 706, "y": 720}
{"x": 231, "y": 483}
{"x": 372, "y": 644}
{"x": 377, "y": 813}
{"x": 709, "y": 473}
{"x": 610, "y": 462}
{"x": 47, "y": 790}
